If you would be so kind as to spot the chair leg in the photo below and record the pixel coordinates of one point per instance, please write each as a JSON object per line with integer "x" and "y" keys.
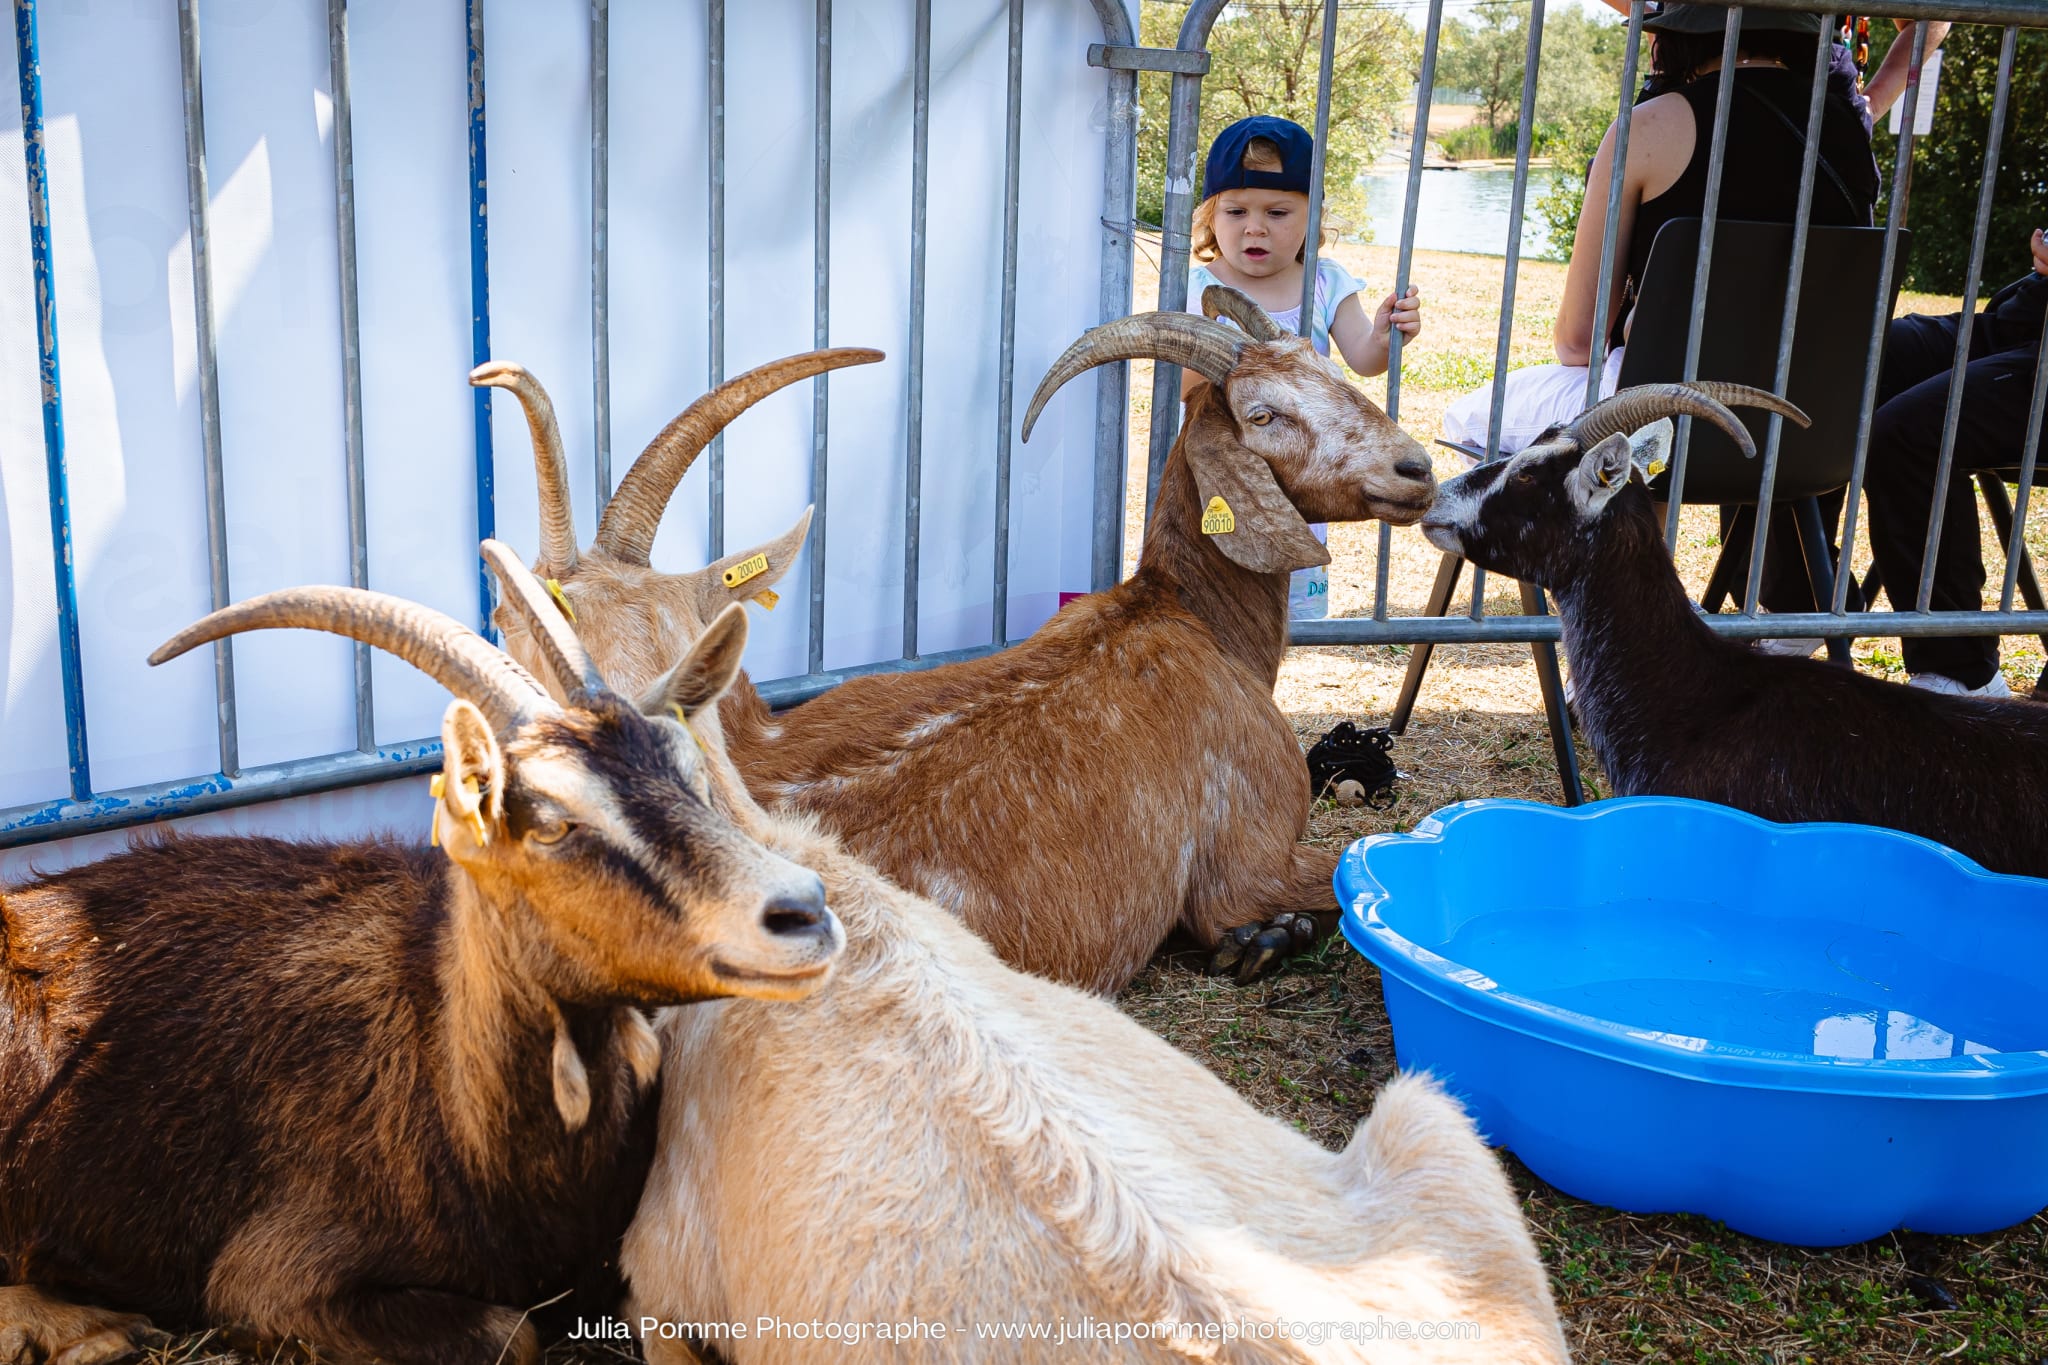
{"x": 2000, "y": 502}
{"x": 1553, "y": 702}
{"x": 1814, "y": 544}
{"x": 1734, "y": 556}
{"x": 1447, "y": 571}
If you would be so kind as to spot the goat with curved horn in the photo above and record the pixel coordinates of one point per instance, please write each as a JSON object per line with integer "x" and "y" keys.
{"x": 575, "y": 675}
{"x": 626, "y": 531}
{"x": 1636, "y": 407}
{"x": 550, "y": 466}
{"x": 443, "y": 648}
{"x": 1220, "y": 300}
{"x": 1208, "y": 348}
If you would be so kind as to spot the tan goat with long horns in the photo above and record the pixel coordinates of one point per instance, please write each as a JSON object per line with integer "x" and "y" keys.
{"x": 1125, "y": 769}
{"x": 380, "y": 1098}
{"x": 970, "y": 1156}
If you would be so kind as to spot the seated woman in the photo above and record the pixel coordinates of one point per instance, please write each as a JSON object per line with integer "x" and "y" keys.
{"x": 1671, "y": 134}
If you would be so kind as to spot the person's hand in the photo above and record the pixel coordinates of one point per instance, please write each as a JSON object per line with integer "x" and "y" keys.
{"x": 1402, "y": 313}
{"x": 2040, "y": 246}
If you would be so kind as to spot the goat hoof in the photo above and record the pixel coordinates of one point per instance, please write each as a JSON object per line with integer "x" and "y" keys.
{"x": 35, "y": 1327}
{"x": 1230, "y": 949}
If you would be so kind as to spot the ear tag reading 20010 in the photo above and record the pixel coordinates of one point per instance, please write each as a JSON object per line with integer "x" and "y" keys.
{"x": 1217, "y": 519}
{"x": 753, "y": 566}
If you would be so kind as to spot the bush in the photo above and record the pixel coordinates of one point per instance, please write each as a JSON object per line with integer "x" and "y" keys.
{"x": 1571, "y": 149}
{"x": 1948, "y": 164}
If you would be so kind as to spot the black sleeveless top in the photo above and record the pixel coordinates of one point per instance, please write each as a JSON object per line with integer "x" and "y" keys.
{"x": 1761, "y": 181}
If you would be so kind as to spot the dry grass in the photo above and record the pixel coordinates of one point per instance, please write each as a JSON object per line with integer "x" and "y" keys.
{"x": 1312, "y": 1045}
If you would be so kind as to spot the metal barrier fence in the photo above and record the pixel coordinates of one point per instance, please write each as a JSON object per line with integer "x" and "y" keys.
{"x": 87, "y": 809}
{"x": 1382, "y": 628}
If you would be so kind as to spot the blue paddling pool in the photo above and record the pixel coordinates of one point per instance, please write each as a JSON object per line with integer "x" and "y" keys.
{"x": 1815, "y": 1033}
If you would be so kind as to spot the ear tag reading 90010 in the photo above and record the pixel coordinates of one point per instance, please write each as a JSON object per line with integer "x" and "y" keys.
{"x": 753, "y": 566}
{"x": 1217, "y": 518}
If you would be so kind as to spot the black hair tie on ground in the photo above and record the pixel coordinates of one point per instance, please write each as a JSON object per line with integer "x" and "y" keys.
{"x": 1348, "y": 753}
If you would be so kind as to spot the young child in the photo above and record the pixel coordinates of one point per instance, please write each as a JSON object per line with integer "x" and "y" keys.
{"x": 1250, "y": 232}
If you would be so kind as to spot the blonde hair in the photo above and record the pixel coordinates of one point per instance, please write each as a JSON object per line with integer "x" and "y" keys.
{"x": 1260, "y": 154}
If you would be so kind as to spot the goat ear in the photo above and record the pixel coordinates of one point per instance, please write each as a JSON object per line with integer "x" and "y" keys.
{"x": 1602, "y": 472}
{"x": 471, "y": 788}
{"x": 706, "y": 671}
{"x": 1265, "y": 534}
{"x": 750, "y": 574}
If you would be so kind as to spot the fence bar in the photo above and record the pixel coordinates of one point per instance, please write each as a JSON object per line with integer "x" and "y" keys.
{"x": 600, "y": 247}
{"x": 1802, "y": 223}
{"x": 1305, "y": 321}
{"x": 1418, "y": 150}
{"x": 1960, "y": 11}
{"x": 785, "y": 692}
{"x": 29, "y": 65}
{"x": 1119, "y": 233}
{"x": 913, "y": 417}
{"x": 207, "y": 355}
{"x": 1880, "y": 314}
{"x": 1516, "y": 201}
{"x": 1710, "y": 217}
{"x": 1006, "y": 380}
{"x": 1603, "y": 294}
{"x": 2028, "y": 455}
{"x": 715, "y": 237}
{"x": 821, "y": 318}
{"x": 1530, "y": 629}
{"x": 480, "y": 312}
{"x": 1945, "y": 466}
{"x": 351, "y": 354}
{"x": 1183, "y": 130}
{"x": 169, "y": 800}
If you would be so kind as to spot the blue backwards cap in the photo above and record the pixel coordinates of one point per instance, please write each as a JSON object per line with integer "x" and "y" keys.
{"x": 1226, "y": 171}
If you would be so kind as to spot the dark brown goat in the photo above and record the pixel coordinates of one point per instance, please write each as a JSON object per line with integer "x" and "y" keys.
{"x": 1125, "y": 769}
{"x": 1675, "y": 710}
{"x": 375, "y": 1097}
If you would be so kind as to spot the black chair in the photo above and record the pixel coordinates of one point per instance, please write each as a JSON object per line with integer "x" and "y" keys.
{"x": 1739, "y": 343}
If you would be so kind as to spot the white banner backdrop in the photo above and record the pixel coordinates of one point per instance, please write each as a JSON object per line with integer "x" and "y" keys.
{"x": 125, "y": 316}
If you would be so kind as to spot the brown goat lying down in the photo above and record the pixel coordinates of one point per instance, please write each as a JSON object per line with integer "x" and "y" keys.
{"x": 1123, "y": 771}
{"x": 376, "y": 1097}
{"x": 932, "y": 1136}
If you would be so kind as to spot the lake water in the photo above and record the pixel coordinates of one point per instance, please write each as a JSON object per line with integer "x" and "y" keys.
{"x": 1458, "y": 210}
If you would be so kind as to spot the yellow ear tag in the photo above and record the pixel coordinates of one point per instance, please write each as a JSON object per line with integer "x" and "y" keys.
{"x": 768, "y": 597}
{"x": 562, "y": 598}
{"x": 753, "y": 566}
{"x": 685, "y": 722}
{"x": 1217, "y": 519}
{"x": 476, "y": 814}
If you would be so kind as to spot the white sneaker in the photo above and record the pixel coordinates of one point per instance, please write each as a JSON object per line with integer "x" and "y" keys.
{"x": 1799, "y": 647}
{"x": 1949, "y": 687}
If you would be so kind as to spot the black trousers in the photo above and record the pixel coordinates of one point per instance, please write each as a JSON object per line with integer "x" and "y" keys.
{"x": 1905, "y": 446}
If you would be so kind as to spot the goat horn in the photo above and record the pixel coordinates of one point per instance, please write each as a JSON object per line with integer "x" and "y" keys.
{"x": 566, "y": 658}
{"x": 1220, "y": 300}
{"x": 1208, "y": 348}
{"x": 626, "y": 531}
{"x": 1635, "y": 408}
{"x": 439, "y": 646}
{"x": 550, "y": 466}
{"x": 1743, "y": 396}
